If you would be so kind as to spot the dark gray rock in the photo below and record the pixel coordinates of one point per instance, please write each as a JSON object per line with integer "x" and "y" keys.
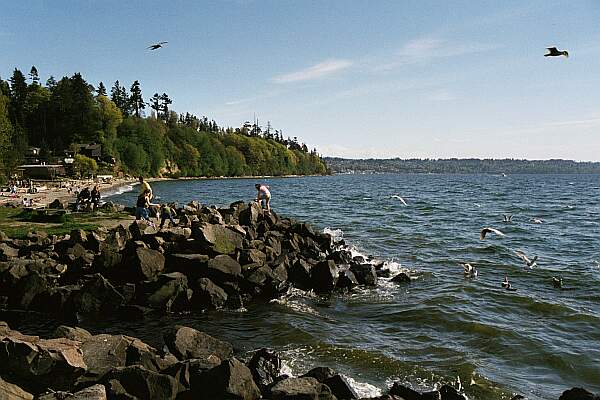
{"x": 265, "y": 366}
{"x": 230, "y": 380}
{"x": 207, "y": 295}
{"x": 300, "y": 389}
{"x": 95, "y": 392}
{"x": 300, "y": 274}
{"x": 252, "y": 256}
{"x": 447, "y": 392}
{"x": 186, "y": 371}
{"x": 347, "y": 280}
{"x": 72, "y": 333}
{"x": 217, "y": 238}
{"x": 166, "y": 289}
{"x": 141, "y": 384}
{"x": 10, "y": 391}
{"x": 97, "y": 294}
{"x": 175, "y": 234}
{"x": 192, "y": 265}
{"x": 142, "y": 264}
{"x": 365, "y": 274}
{"x": 320, "y": 373}
{"x": 577, "y": 394}
{"x": 224, "y": 268}
{"x": 249, "y": 216}
{"x": 340, "y": 387}
{"x": 324, "y": 276}
{"x": 402, "y": 277}
{"x": 405, "y": 392}
{"x": 185, "y": 343}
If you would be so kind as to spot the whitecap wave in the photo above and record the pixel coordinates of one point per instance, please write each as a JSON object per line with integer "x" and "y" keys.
{"x": 363, "y": 389}
{"x": 117, "y": 191}
{"x": 336, "y": 234}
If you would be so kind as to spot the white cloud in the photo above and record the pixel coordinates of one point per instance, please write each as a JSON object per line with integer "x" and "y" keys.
{"x": 317, "y": 71}
{"x": 425, "y": 49}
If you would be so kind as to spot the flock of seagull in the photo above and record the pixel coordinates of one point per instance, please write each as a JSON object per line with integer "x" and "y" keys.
{"x": 471, "y": 272}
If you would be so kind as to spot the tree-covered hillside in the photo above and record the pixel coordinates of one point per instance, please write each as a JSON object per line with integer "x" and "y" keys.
{"x": 59, "y": 115}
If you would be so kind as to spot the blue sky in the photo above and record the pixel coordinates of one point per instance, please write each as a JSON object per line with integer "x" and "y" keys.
{"x": 352, "y": 78}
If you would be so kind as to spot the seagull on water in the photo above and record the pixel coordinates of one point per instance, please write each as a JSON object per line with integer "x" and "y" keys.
{"x": 557, "y": 282}
{"x": 554, "y": 52}
{"x": 485, "y": 231}
{"x": 506, "y": 285}
{"x": 536, "y": 221}
{"x": 395, "y": 196}
{"x": 530, "y": 263}
{"x": 156, "y": 46}
{"x": 469, "y": 270}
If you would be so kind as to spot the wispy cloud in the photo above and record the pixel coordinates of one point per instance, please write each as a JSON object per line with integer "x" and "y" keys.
{"x": 325, "y": 68}
{"x": 427, "y": 48}
{"x": 440, "y": 95}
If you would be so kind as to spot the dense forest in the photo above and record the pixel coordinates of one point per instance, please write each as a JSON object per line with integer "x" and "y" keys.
{"x": 461, "y": 166}
{"x": 60, "y": 115}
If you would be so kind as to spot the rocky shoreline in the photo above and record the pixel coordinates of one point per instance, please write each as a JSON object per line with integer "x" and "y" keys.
{"x": 215, "y": 258}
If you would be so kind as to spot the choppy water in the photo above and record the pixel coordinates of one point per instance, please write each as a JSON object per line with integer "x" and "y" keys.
{"x": 536, "y": 341}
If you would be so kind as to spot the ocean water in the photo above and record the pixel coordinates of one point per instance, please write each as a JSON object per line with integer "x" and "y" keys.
{"x": 536, "y": 341}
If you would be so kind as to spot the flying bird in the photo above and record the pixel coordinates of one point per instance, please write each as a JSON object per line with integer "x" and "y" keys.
{"x": 156, "y": 45}
{"x": 530, "y": 263}
{"x": 554, "y": 52}
{"x": 506, "y": 284}
{"x": 536, "y": 221}
{"x": 485, "y": 231}
{"x": 507, "y": 218}
{"x": 469, "y": 270}
{"x": 557, "y": 282}
{"x": 395, "y": 196}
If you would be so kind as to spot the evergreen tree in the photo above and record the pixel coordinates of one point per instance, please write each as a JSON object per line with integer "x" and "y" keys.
{"x": 165, "y": 101}
{"x": 118, "y": 95}
{"x": 136, "y": 100}
{"x": 51, "y": 82}
{"x": 101, "y": 91}
{"x": 155, "y": 104}
{"x": 33, "y": 74}
{"x": 18, "y": 95}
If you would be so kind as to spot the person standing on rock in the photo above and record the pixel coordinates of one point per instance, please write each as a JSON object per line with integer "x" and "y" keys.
{"x": 263, "y": 194}
{"x": 145, "y": 186}
{"x": 141, "y": 207}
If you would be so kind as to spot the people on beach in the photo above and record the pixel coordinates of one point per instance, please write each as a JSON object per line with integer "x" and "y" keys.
{"x": 83, "y": 198}
{"x": 95, "y": 197}
{"x": 263, "y": 193}
{"x": 145, "y": 186}
{"x": 166, "y": 212}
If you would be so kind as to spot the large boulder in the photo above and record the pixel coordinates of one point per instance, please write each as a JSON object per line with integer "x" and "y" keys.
{"x": 175, "y": 234}
{"x": 10, "y": 391}
{"x": 7, "y": 252}
{"x": 252, "y": 256}
{"x": 217, "y": 238}
{"x": 300, "y": 389}
{"x": 265, "y": 366}
{"x": 347, "y": 280}
{"x": 300, "y": 274}
{"x": 208, "y": 295}
{"x": 340, "y": 387}
{"x": 185, "y": 343}
{"x": 324, "y": 276}
{"x": 190, "y": 370}
{"x": 249, "y": 216}
{"x": 167, "y": 289}
{"x": 577, "y": 394}
{"x": 230, "y": 380}
{"x": 224, "y": 268}
{"x": 405, "y": 392}
{"x": 365, "y": 274}
{"x": 143, "y": 264}
{"x": 192, "y": 265}
{"x": 72, "y": 333}
{"x": 140, "y": 383}
{"x": 36, "y": 364}
{"x": 97, "y": 294}
{"x": 94, "y": 392}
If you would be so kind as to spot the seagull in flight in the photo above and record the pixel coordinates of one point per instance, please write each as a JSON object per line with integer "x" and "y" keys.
{"x": 485, "y": 231}
{"x": 156, "y": 45}
{"x": 554, "y": 52}
{"x": 395, "y": 196}
{"x": 536, "y": 221}
{"x": 530, "y": 263}
{"x": 507, "y": 218}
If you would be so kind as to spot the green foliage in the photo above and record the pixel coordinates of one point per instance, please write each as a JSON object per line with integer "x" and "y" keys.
{"x": 84, "y": 166}
{"x": 70, "y": 111}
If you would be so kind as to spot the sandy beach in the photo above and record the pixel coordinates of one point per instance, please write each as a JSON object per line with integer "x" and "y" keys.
{"x": 63, "y": 190}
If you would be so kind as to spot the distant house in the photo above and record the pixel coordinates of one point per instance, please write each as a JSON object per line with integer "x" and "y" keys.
{"x": 36, "y": 171}
{"x": 91, "y": 150}
{"x": 32, "y": 155}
